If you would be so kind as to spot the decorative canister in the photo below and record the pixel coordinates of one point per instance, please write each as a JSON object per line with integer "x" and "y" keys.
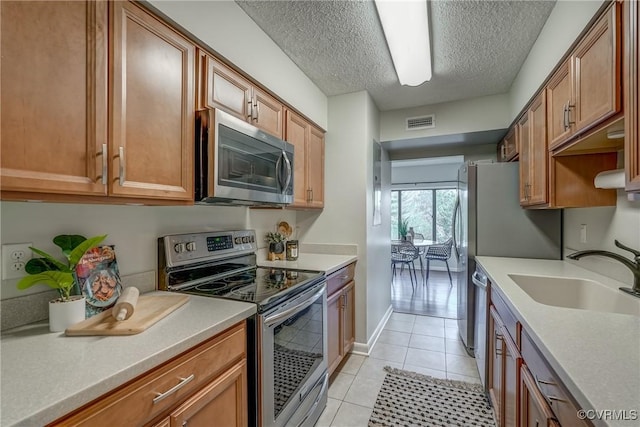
{"x": 292, "y": 250}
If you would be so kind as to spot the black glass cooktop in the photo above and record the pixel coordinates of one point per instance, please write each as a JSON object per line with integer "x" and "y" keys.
{"x": 261, "y": 285}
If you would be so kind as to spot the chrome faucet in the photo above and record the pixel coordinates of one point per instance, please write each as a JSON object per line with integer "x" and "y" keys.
{"x": 634, "y": 265}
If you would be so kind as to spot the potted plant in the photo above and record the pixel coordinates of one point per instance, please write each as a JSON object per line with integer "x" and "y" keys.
{"x": 67, "y": 309}
{"x": 276, "y": 245}
{"x": 403, "y": 228}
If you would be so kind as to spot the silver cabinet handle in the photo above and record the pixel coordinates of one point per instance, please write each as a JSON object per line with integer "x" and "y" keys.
{"x": 503, "y": 152}
{"x": 105, "y": 165}
{"x": 182, "y": 383}
{"x": 565, "y": 113}
{"x": 257, "y": 109}
{"x": 569, "y": 107}
{"x": 556, "y": 399}
{"x": 250, "y": 110}
{"x": 538, "y": 380}
{"x": 122, "y": 166}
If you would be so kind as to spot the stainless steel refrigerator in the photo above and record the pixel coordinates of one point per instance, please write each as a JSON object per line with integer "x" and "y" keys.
{"x": 489, "y": 221}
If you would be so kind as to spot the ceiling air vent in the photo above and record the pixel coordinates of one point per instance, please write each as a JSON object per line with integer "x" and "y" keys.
{"x": 423, "y": 122}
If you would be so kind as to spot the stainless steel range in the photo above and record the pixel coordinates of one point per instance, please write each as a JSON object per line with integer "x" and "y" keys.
{"x": 287, "y": 344}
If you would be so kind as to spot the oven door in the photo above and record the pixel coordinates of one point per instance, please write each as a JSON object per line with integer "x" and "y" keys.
{"x": 294, "y": 359}
{"x": 244, "y": 165}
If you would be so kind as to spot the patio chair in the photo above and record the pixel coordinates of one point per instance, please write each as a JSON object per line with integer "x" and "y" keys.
{"x": 404, "y": 253}
{"x": 439, "y": 252}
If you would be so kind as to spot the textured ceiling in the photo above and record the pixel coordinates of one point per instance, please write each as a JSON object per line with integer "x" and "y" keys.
{"x": 478, "y": 46}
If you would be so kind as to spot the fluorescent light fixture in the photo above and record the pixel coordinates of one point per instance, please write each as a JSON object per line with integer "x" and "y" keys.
{"x": 406, "y": 27}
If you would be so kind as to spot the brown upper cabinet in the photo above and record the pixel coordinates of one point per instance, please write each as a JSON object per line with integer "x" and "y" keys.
{"x": 586, "y": 89}
{"x": 508, "y": 147}
{"x": 308, "y": 163}
{"x": 632, "y": 95}
{"x": 222, "y": 87}
{"x": 54, "y": 97}
{"x": 534, "y": 154}
{"x": 152, "y": 107}
{"x": 81, "y": 119}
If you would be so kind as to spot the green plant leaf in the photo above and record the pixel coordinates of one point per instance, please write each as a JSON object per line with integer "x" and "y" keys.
{"x": 51, "y": 259}
{"x": 83, "y": 247}
{"x": 54, "y": 279}
{"x": 38, "y": 265}
{"x": 67, "y": 242}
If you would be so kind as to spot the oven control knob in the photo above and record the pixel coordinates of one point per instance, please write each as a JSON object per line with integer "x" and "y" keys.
{"x": 253, "y": 239}
{"x": 179, "y": 247}
{"x": 245, "y": 239}
{"x": 191, "y": 246}
{"x": 237, "y": 240}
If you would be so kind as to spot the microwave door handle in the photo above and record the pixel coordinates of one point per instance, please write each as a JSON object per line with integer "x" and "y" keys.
{"x": 289, "y": 172}
{"x": 278, "y": 173}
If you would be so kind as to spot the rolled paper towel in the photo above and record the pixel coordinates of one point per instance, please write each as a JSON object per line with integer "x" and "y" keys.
{"x": 126, "y": 304}
{"x": 610, "y": 179}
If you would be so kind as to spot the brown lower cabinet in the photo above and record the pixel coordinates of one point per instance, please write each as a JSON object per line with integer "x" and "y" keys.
{"x": 534, "y": 410}
{"x": 340, "y": 315}
{"x": 205, "y": 386}
{"x": 523, "y": 389}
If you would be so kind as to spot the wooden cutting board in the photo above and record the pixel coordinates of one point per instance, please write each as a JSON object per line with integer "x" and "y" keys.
{"x": 148, "y": 310}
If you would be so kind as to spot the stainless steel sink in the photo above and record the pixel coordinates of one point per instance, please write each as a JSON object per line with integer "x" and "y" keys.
{"x": 577, "y": 293}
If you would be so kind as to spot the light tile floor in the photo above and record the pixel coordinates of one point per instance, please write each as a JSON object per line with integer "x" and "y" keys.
{"x": 424, "y": 344}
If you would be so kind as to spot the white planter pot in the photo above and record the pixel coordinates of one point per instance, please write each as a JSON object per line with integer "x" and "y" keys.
{"x": 64, "y": 314}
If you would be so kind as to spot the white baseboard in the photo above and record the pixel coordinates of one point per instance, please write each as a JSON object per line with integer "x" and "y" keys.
{"x": 365, "y": 349}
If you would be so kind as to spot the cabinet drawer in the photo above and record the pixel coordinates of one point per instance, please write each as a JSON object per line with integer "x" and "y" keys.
{"x": 508, "y": 319}
{"x": 338, "y": 279}
{"x": 555, "y": 394}
{"x": 134, "y": 402}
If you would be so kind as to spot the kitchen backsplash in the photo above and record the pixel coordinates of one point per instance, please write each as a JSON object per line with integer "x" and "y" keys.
{"x": 132, "y": 229}
{"x": 603, "y": 226}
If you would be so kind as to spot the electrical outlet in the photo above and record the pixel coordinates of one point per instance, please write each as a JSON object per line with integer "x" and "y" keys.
{"x": 14, "y": 258}
{"x": 583, "y": 233}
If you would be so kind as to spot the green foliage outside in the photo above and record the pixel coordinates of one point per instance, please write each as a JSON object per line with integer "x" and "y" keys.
{"x": 418, "y": 207}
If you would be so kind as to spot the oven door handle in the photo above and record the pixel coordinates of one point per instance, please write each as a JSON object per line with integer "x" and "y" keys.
{"x": 325, "y": 382}
{"x": 298, "y": 307}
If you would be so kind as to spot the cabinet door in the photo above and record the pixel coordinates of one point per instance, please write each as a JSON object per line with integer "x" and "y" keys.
{"x": 510, "y": 144}
{"x": 559, "y": 95}
{"x": 223, "y": 402}
{"x": 495, "y": 378}
{"x": 53, "y": 96}
{"x": 512, "y": 361}
{"x": 538, "y": 155}
{"x": 632, "y": 96}
{"x": 534, "y": 410}
{"x": 267, "y": 113}
{"x": 334, "y": 330}
{"x": 349, "y": 316}
{"x": 297, "y": 134}
{"x": 525, "y": 162}
{"x": 226, "y": 89}
{"x": 152, "y": 107}
{"x": 315, "y": 167}
{"x": 596, "y": 63}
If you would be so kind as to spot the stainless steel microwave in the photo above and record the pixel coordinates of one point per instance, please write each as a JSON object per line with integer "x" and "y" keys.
{"x": 238, "y": 164}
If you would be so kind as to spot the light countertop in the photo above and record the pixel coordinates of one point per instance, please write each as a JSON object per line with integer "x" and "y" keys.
{"x": 595, "y": 354}
{"x": 46, "y": 375}
{"x": 309, "y": 261}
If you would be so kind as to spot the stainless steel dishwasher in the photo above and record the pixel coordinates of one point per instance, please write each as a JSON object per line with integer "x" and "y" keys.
{"x": 480, "y": 330}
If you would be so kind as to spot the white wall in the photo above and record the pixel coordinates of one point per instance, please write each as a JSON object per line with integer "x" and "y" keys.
{"x": 378, "y": 240}
{"x": 470, "y": 115}
{"x": 230, "y": 32}
{"x": 347, "y": 212}
{"x": 133, "y": 229}
{"x": 565, "y": 23}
